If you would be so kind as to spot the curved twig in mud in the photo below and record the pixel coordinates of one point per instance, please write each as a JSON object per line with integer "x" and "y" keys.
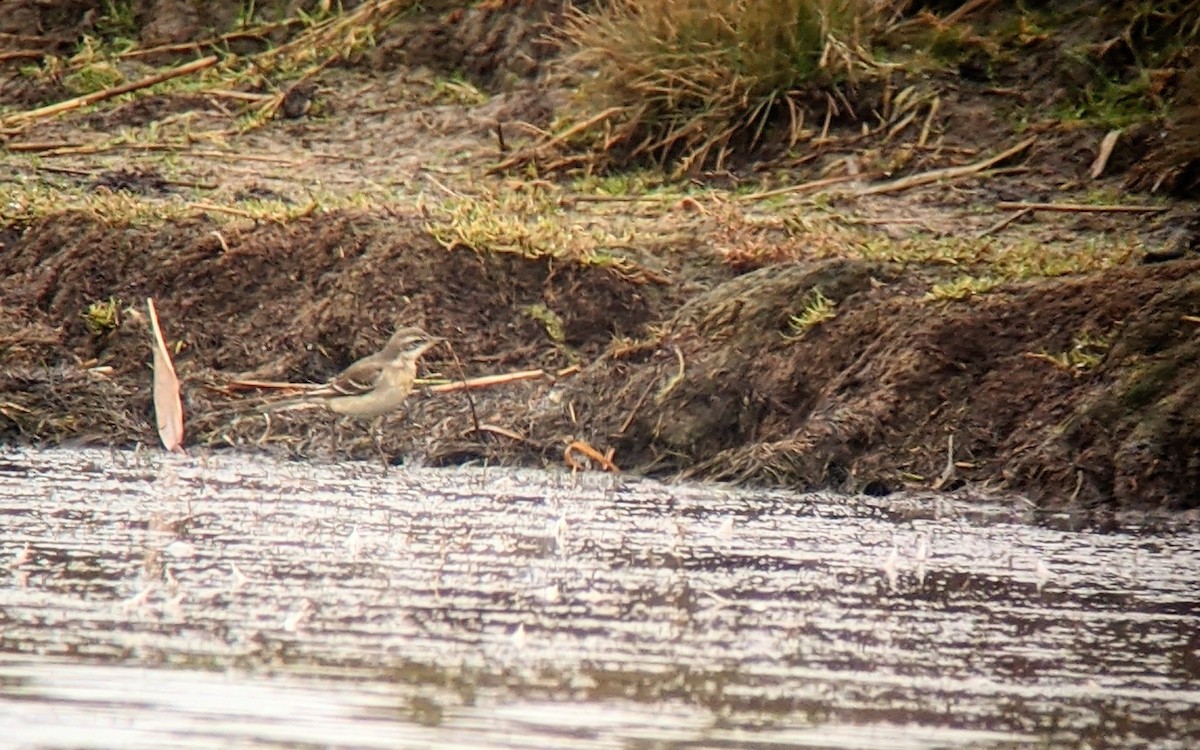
{"x": 675, "y": 380}
{"x": 578, "y": 446}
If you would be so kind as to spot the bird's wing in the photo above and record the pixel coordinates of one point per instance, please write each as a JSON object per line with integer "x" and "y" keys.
{"x": 358, "y": 378}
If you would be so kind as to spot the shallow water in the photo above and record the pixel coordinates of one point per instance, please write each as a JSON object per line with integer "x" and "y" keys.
{"x": 163, "y": 601}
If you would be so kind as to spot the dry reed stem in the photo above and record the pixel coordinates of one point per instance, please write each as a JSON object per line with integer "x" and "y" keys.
{"x": 99, "y": 96}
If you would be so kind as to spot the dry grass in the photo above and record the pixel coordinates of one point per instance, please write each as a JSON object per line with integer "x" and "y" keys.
{"x": 689, "y": 81}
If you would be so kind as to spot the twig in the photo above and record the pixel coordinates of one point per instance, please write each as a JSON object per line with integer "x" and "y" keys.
{"x": 99, "y": 148}
{"x": 21, "y": 54}
{"x": 244, "y": 96}
{"x": 948, "y": 173}
{"x": 805, "y": 187}
{"x": 948, "y": 471}
{"x": 636, "y": 407}
{"x": 1005, "y": 222}
{"x": 579, "y": 446}
{"x": 579, "y": 127}
{"x": 256, "y": 33}
{"x": 270, "y": 384}
{"x": 569, "y": 199}
{"x": 202, "y": 206}
{"x": 497, "y": 430}
{"x": 674, "y": 380}
{"x": 934, "y": 106}
{"x": 96, "y": 172}
{"x": 460, "y": 385}
{"x": 99, "y": 96}
{"x": 964, "y": 10}
{"x": 1083, "y": 208}
{"x": 243, "y": 157}
{"x": 487, "y": 381}
{"x": 40, "y": 145}
{"x": 465, "y": 391}
{"x": 69, "y": 170}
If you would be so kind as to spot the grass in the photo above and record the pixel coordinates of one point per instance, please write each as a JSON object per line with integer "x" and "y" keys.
{"x": 687, "y": 81}
{"x": 549, "y": 320}
{"x": 92, "y": 77}
{"x": 456, "y": 90}
{"x": 1111, "y": 103}
{"x": 817, "y": 309}
{"x": 961, "y": 288}
{"x": 102, "y": 316}
{"x": 529, "y": 223}
{"x": 117, "y": 19}
{"x": 812, "y": 233}
{"x": 1086, "y": 353}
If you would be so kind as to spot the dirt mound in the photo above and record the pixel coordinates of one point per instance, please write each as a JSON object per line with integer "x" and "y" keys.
{"x": 895, "y": 391}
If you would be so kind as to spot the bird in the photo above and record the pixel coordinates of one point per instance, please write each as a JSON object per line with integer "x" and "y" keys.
{"x": 375, "y": 385}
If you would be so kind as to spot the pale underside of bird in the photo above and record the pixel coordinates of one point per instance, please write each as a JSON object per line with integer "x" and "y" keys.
{"x": 375, "y": 385}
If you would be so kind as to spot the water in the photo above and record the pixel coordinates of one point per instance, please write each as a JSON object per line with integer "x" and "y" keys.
{"x": 162, "y": 601}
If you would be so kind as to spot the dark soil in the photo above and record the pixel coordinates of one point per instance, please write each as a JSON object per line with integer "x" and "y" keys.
{"x": 681, "y": 358}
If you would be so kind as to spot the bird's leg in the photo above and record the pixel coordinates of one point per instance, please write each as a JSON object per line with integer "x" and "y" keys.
{"x": 377, "y": 437}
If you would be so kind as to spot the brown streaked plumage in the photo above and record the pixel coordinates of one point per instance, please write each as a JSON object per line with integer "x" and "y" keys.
{"x": 373, "y": 386}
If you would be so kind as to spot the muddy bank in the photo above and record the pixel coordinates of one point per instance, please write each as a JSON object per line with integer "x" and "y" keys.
{"x": 861, "y": 333}
{"x": 895, "y": 390}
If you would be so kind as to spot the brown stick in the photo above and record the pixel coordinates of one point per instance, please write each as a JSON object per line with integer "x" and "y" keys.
{"x": 964, "y": 10}
{"x": 21, "y": 54}
{"x": 40, "y": 145}
{"x": 243, "y": 157}
{"x": 99, "y": 96}
{"x": 497, "y": 430}
{"x": 487, "y": 381}
{"x": 272, "y": 384}
{"x": 804, "y": 187}
{"x": 949, "y": 173}
{"x": 1083, "y": 208}
{"x": 256, "y": 33}
{"x": 537, "y": 148}
{"x": 578, "y": 446}
{"x": 202, "y": 206}
{"x": 1005, "y": 222}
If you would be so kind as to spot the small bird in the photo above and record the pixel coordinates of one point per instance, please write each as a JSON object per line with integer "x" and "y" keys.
{"x": 373, "y": 386}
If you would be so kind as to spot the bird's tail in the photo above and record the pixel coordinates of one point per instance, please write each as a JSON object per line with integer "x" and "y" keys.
{"x": 290, "y": 404}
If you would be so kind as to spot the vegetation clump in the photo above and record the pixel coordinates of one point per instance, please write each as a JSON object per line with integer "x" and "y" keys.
{"x": 687, "y": 81}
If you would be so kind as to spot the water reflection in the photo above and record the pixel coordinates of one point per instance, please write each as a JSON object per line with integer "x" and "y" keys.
{"x": 158, "y": 600}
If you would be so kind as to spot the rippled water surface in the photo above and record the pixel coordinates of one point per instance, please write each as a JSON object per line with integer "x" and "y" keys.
{"x": 151, "y": 601}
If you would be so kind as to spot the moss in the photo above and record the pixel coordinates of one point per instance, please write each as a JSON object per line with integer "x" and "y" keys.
{"x": 102, "y": 316}
{"x": 817, "y": 309}
{"x": 1148, "y": 384}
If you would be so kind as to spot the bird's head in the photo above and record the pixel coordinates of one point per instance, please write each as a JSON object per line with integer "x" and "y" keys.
{"x": 411, "y": 342}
